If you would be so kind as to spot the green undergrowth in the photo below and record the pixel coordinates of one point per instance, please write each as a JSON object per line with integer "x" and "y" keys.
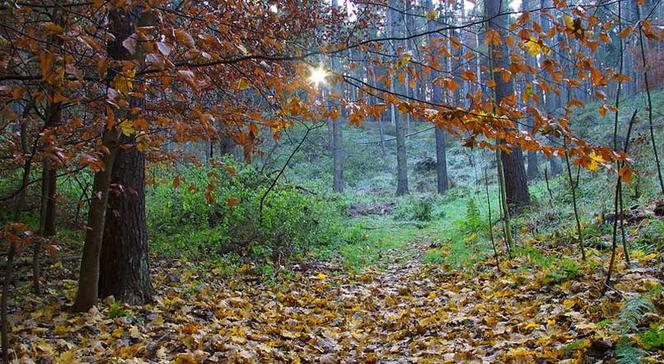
{"x": 232, "y": 215}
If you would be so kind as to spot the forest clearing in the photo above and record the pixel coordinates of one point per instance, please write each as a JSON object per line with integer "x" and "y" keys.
{"x": 327, "y": 181}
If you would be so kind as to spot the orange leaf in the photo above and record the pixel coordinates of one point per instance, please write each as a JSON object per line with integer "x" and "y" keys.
{"x": 468, "y": 75}
{"x": 627, "y": 31}
{"x": 626, "y": 174}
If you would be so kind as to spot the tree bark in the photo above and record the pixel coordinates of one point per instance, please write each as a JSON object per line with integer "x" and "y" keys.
{"x": 441, "y": 162}
{"x": 516, "y": 186}
{"x": 442, "y": 184}
{"x": 124, "y": 269}
{"x": 122, "y": 23}
{"x": 402, "y": 161}
{"x": 88, "y": 280}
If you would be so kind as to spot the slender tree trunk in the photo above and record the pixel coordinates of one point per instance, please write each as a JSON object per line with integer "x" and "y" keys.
{"x": 650, "y": 117}
{"x": 337, "y": 156}
{"x": 48, "y": 200}
{"x": 9, "y": 271}
{"x": 616, "y": 211}
{"x": 381, "y": 130}
{"x": 573, "y": 187}
{"x": 88, "y": 281}
{"x": 441, "y": 162}
{"x": 437, "y": 98}
{"x": 548, "y": 187}
{"x": 488, "y": 203}
{"x": 507, "y": 228}
{"x": 402, "y": 162}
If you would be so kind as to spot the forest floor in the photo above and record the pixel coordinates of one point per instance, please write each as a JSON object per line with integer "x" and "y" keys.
{"x": 404, "y": 311}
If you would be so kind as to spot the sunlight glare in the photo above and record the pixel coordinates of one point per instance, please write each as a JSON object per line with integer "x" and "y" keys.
{"x": 317, "y": 75}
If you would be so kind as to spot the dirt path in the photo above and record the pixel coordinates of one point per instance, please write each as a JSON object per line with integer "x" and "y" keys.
{"x": 407, "y": 312}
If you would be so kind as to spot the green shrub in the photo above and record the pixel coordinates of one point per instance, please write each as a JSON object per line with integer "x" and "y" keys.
{"x": 653, "y": 338}
{"x": 212, "y": 212}
{"x": 415, "y": 209}
{"x": 564, "y": 269}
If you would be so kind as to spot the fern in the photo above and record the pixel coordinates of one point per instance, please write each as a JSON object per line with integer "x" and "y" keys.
{"x": 632, "y": 312}
{"x": 626, "y": 353}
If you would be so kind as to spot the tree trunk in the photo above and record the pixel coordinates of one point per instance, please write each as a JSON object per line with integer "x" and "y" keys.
{"x": 380, "y": 118}
{"x": 532, "y": 172}
{"x": 402, "y": 162}
{"x": 441, "y": 162}
{"x": 516, "y": 186}
{"x": 122, "y": 23}
{"x": 337, "y": 156}
{"x": 437, "y": 98}
{"x": 88, "y": 280}
{"x": 226, "y": 145}
{"x": 124, "y": 270}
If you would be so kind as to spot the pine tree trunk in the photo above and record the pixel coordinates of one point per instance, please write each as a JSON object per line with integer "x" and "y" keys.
{"x": 122, "y": 24}
{"x": 516, "y": 186}
{"x": 124, "y": 270}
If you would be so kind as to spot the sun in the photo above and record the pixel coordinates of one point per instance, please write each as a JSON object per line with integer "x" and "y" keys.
{"x": 317, "y": 75}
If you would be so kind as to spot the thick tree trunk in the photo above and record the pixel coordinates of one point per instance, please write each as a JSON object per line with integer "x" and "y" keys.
{"x": 124, "y": 270}
{"x": 226, "y": 145}
{"x": 516, "y": 186}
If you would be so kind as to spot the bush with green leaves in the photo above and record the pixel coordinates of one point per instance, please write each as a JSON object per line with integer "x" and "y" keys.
{"x": 415, "y": 209}
{"x": 473, "y": 223}
{"x": 211, "y": 211}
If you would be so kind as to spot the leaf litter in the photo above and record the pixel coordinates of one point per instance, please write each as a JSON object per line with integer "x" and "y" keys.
{"x": 320, "y": 312}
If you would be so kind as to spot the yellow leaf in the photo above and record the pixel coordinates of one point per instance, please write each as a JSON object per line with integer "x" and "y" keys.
{"x": 536, "y": 46}
{"x": 127, "y": 127}
{"x": 67, "y": 357}
{"x": 403, "y": 60}
{"x": 321, "y": 276}
{"x": 595, "y": 161}
{"x": 569, "y": 23}
{"x": 470, "y": 237}
{"x": 432, "y": 15}
{"x": 124, "y": 82}
{"x": 242, "y": 84}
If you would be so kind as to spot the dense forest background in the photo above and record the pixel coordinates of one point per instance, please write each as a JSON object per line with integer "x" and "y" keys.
{"x": 332, "y": 181}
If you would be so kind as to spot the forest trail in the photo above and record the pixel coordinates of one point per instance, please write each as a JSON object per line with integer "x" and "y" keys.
{"x": 404, "y": 312}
